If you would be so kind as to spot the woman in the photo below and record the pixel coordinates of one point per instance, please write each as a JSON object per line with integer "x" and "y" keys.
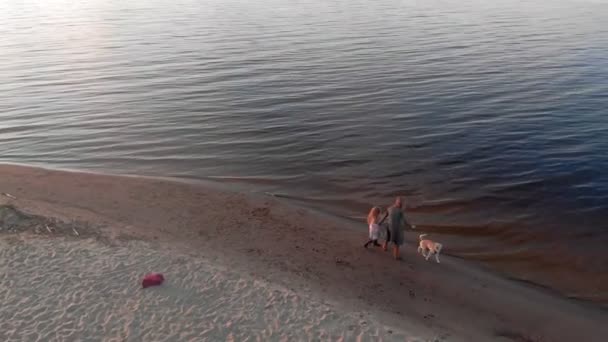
{"x": 396, "y": 225}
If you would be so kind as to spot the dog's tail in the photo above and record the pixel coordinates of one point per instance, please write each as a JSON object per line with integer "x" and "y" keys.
{"x": 421, "y": 236}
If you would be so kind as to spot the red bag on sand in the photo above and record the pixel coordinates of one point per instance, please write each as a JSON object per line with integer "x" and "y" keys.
{"x": 152, "y": 279}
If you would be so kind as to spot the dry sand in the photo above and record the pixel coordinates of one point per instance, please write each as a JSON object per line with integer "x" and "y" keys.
{"x": 238, "y": 267}
{"x": 68, "y": 290}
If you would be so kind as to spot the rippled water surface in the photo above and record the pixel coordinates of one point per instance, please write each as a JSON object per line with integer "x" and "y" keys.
{"x": 491, "y": 117}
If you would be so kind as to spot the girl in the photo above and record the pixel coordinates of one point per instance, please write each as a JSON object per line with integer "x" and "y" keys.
{"x": 373, "y": 221}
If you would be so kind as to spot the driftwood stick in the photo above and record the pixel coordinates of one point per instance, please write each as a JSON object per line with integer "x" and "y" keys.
{"x": 9, "y": 195}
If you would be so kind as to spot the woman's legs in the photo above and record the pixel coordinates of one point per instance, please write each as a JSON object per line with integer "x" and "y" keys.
{"x": 388, "y": 238}
{"x": 396, "y": 252}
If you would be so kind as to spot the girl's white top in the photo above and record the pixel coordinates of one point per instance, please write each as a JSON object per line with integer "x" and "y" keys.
{"x": 374, "y": 231}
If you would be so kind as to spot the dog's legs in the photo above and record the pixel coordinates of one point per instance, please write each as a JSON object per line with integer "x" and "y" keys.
{"x": 428, "y": 255}
{"x": 439, "y": 248}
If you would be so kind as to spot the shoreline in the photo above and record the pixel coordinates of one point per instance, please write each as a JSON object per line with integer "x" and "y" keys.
{"x": 302, "y": 250}
{"x": 506, "y": 266}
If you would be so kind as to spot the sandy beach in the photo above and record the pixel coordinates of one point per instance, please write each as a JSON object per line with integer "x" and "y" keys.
{"x": 74, "y": 246}
{"x": 65, "y": 290}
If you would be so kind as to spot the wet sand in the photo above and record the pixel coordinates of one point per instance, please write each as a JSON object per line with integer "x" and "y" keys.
{"x": 227, "y": 256}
